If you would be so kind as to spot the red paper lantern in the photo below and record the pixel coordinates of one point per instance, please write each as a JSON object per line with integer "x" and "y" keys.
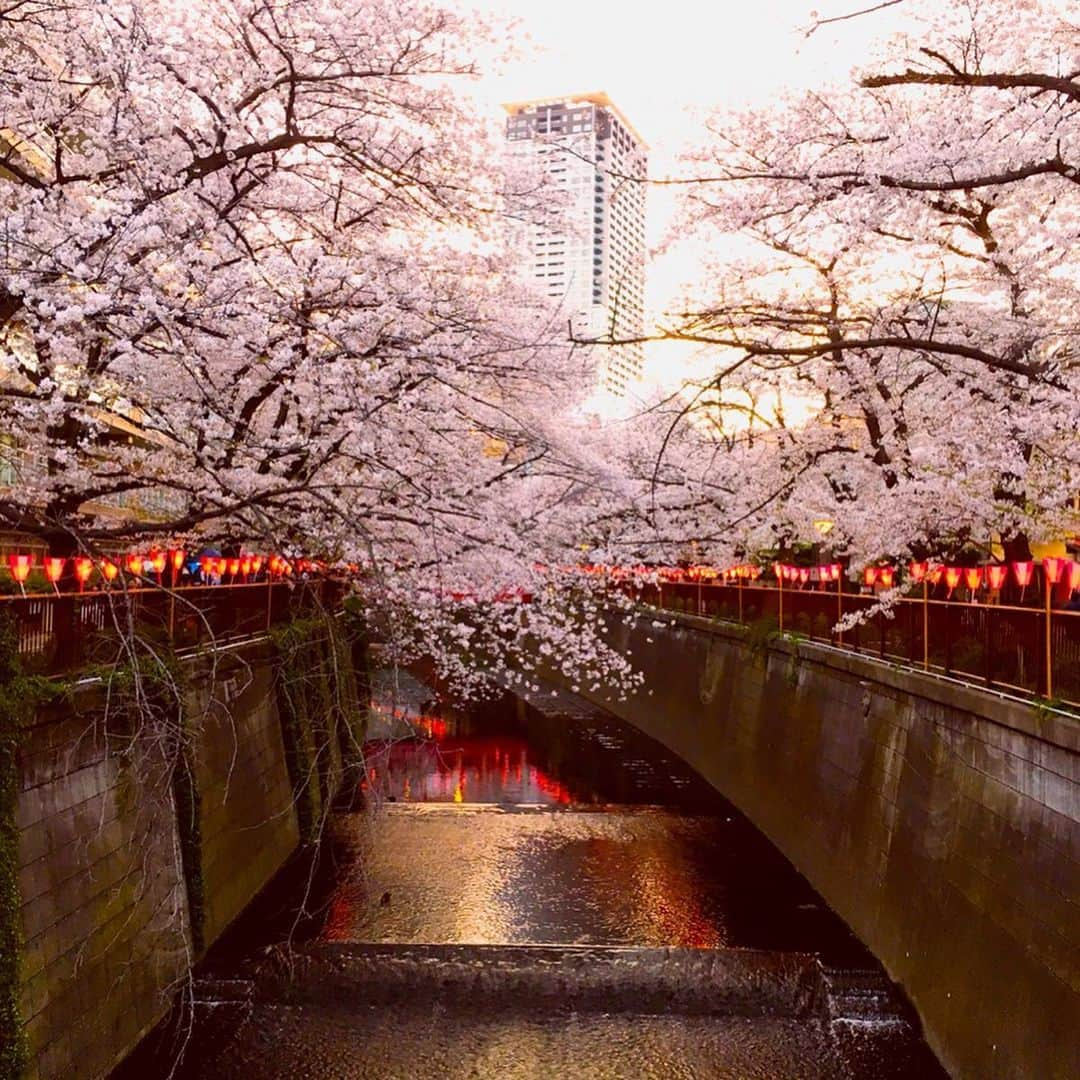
{"x": 20, "y": 566}
{"x": 1023, "y": 572}
{"x": 996, "y": 573}
{"x": 234, "y": 566}
{"x": 245, "y": 565}
{"x": 1074, "y": 576}
{"x": 176, "y": 558}
{"x": 134, "y": 564}
{"x": 109, "y": 569}
{"x": 869, "y": 575}
{"x": 755, "y": 573}
{"x": 157, "y": 561}
{"x": 886, "y": 576}
{"x": 972, "y": 577}
{"x": 917, "y": 570}
{"x": 804, "y": 574}
{"x": 256, "y": 563}
{"x": 778, "y": 570}
{"x": 1052, "y": 567}
{"x": 952, "y": 577}
{"x": 84, "y": 567}
{"x": 835, "y": 570}
{"x": 934, "y": 574}
{"x": 54, "y": 567}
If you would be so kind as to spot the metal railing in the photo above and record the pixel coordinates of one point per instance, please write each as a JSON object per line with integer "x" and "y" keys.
{"x": 57, "y": 633}
{"x": 1029, "y": 650}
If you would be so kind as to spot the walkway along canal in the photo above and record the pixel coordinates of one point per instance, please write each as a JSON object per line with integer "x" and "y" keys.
{"x": 529, "y": 889}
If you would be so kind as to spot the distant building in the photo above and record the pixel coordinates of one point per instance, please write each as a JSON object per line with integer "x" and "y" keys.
{"x": 589, "y": 252}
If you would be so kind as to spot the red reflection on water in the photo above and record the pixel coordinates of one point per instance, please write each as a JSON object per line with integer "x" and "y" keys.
{"x": 460, "y": 768}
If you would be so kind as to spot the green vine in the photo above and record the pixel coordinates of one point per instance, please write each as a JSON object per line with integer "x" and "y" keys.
{"x": 188, "y": 800}
{"x": 760, "y": 636}
{"x": 20, "y": 697}
{"x": 294, "y": 644}
{"x": 321, "y": 717}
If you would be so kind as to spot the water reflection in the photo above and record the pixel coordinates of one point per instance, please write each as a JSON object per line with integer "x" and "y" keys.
{"x": 509, "y": 752}
{"x": 623, "y": 845}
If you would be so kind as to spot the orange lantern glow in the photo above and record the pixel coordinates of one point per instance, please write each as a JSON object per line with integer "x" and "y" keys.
{"x": 176, "y": 559}
{"x": 109, "y": 569}
{"x": 886, "y": 576}
{"x": 1052, "y": 567}
{"x": 804, "y": 574}
{"x": 20, "y": 566}
{"x": 234, "y": 566}
{"x": 869, "y": 575}
{"x": 917, "y": 571}
{"x": 996, "y": 573}
{"x": 84, "y": 567}
{"x": 157, "y": 561}
{"x": 54, "y": 567}
{"x": 934, "y": 574}
{"x": 972, "y": 577}
{"x": 256, "y": 563}
{"x": 952, "y": 577}
{"x": 1023, "y": 572}
{"x": 755, "y": 573}
{"x": 134, "y": 564}
{"x": 835, "y": 570}
{"x": 778, "y": 570}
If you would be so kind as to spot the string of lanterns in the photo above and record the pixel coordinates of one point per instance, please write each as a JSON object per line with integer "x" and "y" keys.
{"x": 990, "y": 576}
{"x": 153, "y": 564}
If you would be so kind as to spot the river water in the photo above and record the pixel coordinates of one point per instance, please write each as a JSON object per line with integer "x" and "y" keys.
{"x": 533, "y": 889}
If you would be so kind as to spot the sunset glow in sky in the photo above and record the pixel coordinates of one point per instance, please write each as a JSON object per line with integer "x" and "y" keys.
{"x": 666, "y": 66}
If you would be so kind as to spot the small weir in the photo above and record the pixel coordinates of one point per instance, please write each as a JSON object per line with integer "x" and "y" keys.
{"x": 531, "y": 888}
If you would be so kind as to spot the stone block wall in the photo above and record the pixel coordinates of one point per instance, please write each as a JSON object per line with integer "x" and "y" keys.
{"x": 103, "y": 902}
{"x": 940, "y": 821}
{"x": 115, "y": 870}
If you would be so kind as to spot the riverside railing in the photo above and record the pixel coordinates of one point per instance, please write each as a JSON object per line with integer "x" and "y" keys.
{"x": 1030, "y": 650}
{"x": 61, "y": 632}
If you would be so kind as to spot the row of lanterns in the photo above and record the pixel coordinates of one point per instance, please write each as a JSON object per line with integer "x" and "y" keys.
{"x": 156, "y": 562}
{"x": 992, "y": 576}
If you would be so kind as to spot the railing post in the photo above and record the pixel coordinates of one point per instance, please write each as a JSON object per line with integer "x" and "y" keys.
{"x": 925, "y": 624}
{"x": 1049, "y": 645}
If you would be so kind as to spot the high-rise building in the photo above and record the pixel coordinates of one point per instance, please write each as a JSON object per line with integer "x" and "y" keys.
{"x": 589, "y": 251}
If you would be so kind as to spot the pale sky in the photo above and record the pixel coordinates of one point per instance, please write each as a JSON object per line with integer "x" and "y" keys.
{"x": 660, "y": 62}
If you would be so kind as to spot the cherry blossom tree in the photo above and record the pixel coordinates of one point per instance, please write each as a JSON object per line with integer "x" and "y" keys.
{"x": 895, "y": 256}
{"x": 254, "y": 284}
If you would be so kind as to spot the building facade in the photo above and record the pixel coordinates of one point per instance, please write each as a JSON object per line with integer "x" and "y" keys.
{"x": 588, "y": 250}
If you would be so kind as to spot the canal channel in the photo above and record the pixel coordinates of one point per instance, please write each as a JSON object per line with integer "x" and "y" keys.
{"x": 527, "y": 888}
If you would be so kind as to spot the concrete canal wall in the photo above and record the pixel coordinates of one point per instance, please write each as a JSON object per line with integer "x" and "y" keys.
{"x": 939, "y": 821}
{"x": 130, "y": 866}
